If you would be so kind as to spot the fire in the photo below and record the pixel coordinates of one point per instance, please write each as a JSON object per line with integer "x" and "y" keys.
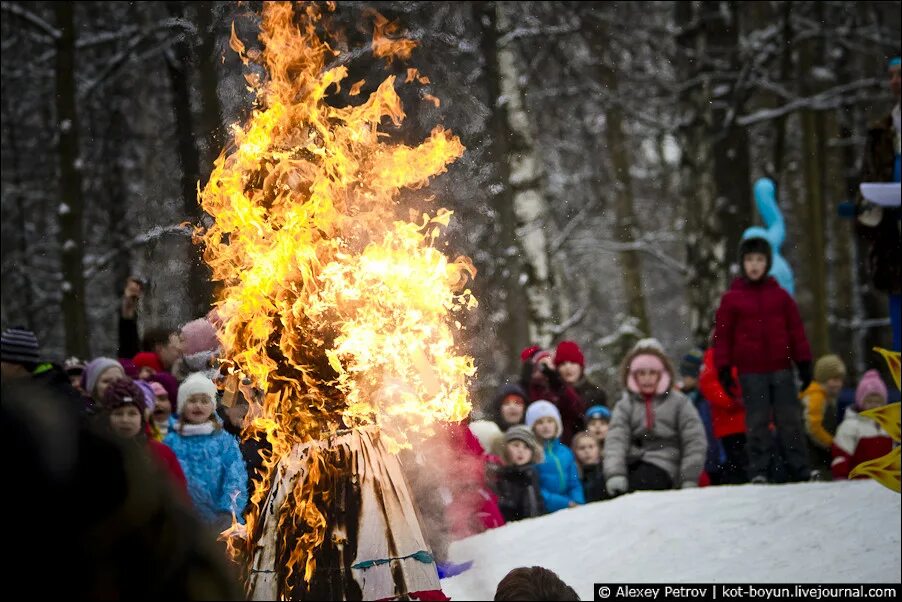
{"x": 342, "y": 313}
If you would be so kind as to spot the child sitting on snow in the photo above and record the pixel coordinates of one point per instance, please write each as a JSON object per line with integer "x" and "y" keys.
{"x": 588, "y": 457}
{"x": 598, "y": 419}
{"x": 860, "y": 439}
{"x": 517, "y": 482}
{"x": 558, "y": 475}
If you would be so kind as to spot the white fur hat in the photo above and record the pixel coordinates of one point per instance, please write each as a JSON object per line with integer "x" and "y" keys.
{"x": 544, "y": 409}
{"x": 489, "y": 435}
{"x": 195, "y": 383}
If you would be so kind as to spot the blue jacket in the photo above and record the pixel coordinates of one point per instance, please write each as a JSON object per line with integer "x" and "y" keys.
{"x": 214, "y": 468}
{"x": 559, "y": 477}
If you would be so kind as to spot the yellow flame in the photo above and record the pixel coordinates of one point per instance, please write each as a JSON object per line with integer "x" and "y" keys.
{"x": 339, "y": 311}
{"x": 893, "y": 361}
{"x": 885, "y": 469}
{"x": 888, "y": 417}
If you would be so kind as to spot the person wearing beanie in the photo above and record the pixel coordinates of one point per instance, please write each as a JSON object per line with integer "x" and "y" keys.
{"x": 161, "y": 414}
{"x": 74, "y": 368}
{"x": 122, "y": 413}
{"x": 509, "y": 406}
{"x": 819, "y": 403}
{"x": 489, "y": 436}
{"x": 19, "y": 353}
{"x": 571, "y": 365}
{"x": 542, "y": 381}
{"x": 99, "y": 374}
{"x": 598, "y": 420}
{"x": 690, "y": 367}
{"x": 200, "y": 348}
{"x": 169, "y": 383}
{"x": 758, "y": 331}
{"x": 517, "y": 481}
{"x": 147, "y": 363}
{"x": 656, "y": 439}
{"x": 558, "y": 473}
{"x": 210, "y": 457}
{"x": 591, "y": 473}
{"x": 860, "y": 439}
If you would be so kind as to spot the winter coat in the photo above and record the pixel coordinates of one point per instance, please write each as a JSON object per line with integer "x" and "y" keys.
{"x": 559, "y": 477}
{"x": 716, "y": 455}
{"x": 214, "y": 469}
{"x": 564, "y": 397}
{"x": 504, "y": 391}
{"x": 593, "y": 482}
{"x": 166, "y": 459}
{"x": 820, "y": 415}
{"x": 857, "y": 440}
{"x": 727, "y": 412}
{"x": 54, "y": 379}
{"x": 758, "y": 329}
{"x": 590, "y": 393}
{"x": 885, "y": 240}
{"x": 519, "y": 492}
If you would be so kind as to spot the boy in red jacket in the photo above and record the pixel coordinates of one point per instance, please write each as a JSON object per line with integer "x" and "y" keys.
{"x": 760, "y": 333}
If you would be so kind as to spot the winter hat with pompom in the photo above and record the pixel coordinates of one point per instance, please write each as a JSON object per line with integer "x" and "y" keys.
{"x": 871, "y": 384}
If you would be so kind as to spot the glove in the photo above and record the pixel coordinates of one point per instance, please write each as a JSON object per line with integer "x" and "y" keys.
{"x": 804, "y": 374}
{"x": 554, "y": 379}
{"x": 688, "y": 485}
{"x": 617, "y": 485}
{"x": 725, "y": 376}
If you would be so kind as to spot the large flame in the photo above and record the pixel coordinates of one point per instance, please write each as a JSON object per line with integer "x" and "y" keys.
{"x": 339, "y": 311}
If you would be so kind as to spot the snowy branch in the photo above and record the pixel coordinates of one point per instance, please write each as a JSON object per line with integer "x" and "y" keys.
{"x": 26, "y": 15}
{"x": 93, "y": 267}
{"x": 576, "y": 318}
{"x": 574, "y": 223}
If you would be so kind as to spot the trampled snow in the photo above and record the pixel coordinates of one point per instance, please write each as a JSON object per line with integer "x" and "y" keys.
{"x": 841, "y": 532}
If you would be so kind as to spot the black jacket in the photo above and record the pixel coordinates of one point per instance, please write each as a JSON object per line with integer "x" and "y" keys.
{"x": 519, "y": 494}
{"x": 593, "y": 483}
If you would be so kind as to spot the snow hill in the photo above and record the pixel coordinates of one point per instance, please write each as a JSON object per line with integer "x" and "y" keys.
{"x": 843, "y": 532}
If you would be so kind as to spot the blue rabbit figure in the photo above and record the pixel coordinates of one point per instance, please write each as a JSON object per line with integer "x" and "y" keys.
{"x": 774, "y": 232}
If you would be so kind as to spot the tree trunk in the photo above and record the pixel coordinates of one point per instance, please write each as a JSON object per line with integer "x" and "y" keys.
{"x": 625, "y": 217}
{"x": 706, "y": 244}
{"x": 209, "y": 84}
{"x": 813, "y": 149}
{"x": 70, "y": 186}
{"x": 514, "y": 330}
{"x": 178, "y": 64}
{"x": 534, "y": 223}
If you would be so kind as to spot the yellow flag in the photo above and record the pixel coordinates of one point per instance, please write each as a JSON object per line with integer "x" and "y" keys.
{"x": 885, "y": 470}
{"x": 895, "y": 365}
{"x": 887, "y": 417}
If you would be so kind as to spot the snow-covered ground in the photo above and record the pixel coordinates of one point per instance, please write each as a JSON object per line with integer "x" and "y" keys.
{"x": 843, "y": 532}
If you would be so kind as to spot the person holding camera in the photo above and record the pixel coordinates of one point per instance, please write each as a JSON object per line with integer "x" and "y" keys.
{"x": 541, "y": 380}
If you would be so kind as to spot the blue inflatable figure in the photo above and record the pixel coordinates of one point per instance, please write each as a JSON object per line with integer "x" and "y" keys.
{"x": 774, "y": 232}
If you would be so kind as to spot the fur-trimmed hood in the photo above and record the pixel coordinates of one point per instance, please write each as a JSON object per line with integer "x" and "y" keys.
{"x": 647, "y": 347}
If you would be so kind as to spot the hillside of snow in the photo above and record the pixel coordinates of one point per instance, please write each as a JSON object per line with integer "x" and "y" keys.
{"x": 813, "y": 532}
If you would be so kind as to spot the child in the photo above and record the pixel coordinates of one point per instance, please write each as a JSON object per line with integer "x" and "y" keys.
{"x": 860, "y": 439}
{"x": 161, "y": 414}
{"x": 98, "y": 375}
{"x": 122, "y": 413}
{"x": 558, "y": 474}
{"x": 690, "y": 367}
{"x": 490, "y": 438}
{"x": 819, "y": 400}
{"x": 598, "y": 419}
{"x": 509, "y": 406}
{"x": 727, "y": 422}
{"x": 759, "y": 331}
{"x": 571, "y": 365}
{"x": 656, "y": 439}
{"x": 217, "y": 479}
{"x": 517, "y": 482}
{"x": 588, "y": 457}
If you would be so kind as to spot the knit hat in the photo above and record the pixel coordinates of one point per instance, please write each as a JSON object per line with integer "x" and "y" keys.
{"x": 540, "y": 355}
{"x": 19, "y": 346}
{"x": 544, "y": 409}
{"x": 123, "y": 391}
{"x": 648, "y": 361}
{"x": 755, "y": 244}
{"x": 150, "y": 398}
{"x": 524, "y": 434}
{"x": 95, "y": 368}
{"x": 131, "y": 370}
{"x": 488, "y": 433}
{"x": 827, "y": 367}
{"x": 198, "y": 335}
{"x": 169, "y": 383}
{"x": 691, "y": 363}
{"x": 158, "y": 389}
{"x": 528, "y": 352}
{"x": 598, "y": 412}
{"x": 195, "y": 383}
{"x": 74, "y": 366}
{"x": 148, "y": 359}
{"x": 871, "y": 384}
{"x": 568, "y": 351}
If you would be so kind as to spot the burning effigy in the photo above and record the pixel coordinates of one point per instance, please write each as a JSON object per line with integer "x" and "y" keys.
{"x": 337, "y": 314}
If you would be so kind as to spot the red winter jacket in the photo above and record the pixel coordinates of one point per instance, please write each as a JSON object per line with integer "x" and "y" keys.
{"x": 727, "y": 413}
{"x": 166, "y": 460}
{"x": 758, "y": 329}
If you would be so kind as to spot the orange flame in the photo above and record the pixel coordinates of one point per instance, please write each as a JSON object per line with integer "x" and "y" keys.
{"x": 338, "y": 311}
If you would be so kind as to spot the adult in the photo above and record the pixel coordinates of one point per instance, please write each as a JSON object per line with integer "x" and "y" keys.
{"x": 879, "y": 226}
{"x": 21, "y": 361}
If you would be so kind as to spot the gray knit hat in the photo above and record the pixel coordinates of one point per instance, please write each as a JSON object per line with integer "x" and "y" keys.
{"x": 524, "y": 434}
{"x": 19, "y": 346}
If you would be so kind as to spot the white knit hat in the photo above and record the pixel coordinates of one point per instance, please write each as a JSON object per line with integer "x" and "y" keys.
{"x": 544, "y": 409}
{"x": 195, "y": 383}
